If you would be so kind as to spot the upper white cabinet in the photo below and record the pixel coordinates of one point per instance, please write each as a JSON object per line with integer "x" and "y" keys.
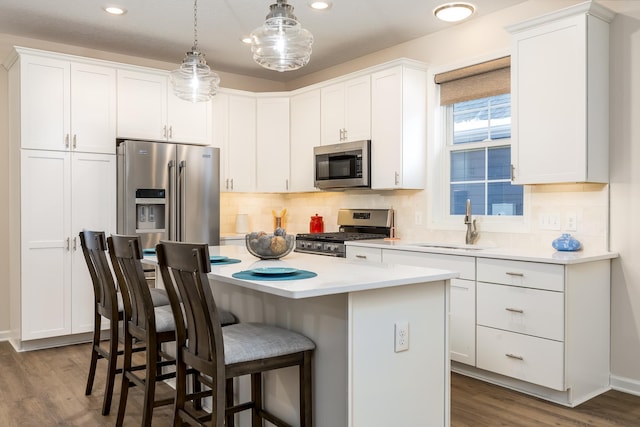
{"x": 398, "y": 128}
{"x": 65, "y": 104}
{"x": 148, "y": 109}
{"x": 272, "y": 144}
{"x": 305, "y": 134}
{"x": 346, "y": 111}
{"x": 560, "y": 96}
{"x": 234, "y": 132}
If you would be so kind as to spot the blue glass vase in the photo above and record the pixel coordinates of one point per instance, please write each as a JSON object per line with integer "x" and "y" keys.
{"x": 566, "y": 243}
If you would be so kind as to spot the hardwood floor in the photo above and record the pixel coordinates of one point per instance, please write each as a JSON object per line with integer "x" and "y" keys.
{"x": 46, "y": 388}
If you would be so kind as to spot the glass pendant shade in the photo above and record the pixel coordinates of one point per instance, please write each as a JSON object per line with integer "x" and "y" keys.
{"x": 194, "y": 81}
{"x": 281, "y": 44}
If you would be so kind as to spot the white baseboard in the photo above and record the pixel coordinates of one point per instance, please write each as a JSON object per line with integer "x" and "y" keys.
{"x": 626, "y": 385}
{"x": 5, "y": 335}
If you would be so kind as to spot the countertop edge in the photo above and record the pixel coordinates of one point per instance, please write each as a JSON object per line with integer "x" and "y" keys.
{"x": 547, "y": 256}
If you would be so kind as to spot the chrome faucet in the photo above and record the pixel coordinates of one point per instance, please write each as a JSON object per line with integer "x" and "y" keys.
{"x": 472, "y": 233}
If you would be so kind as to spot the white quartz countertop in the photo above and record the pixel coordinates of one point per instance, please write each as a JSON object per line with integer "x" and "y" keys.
{"x": 334, "y": 275}
{"x": 549, "y": 255}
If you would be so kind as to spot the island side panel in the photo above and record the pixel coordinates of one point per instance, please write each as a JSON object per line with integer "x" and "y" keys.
{"x": 408, "y": 388}
{"x": 324, "y": 320}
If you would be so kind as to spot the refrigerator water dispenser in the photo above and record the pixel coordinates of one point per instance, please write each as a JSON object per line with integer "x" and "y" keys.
{"x": 151, "y": 208}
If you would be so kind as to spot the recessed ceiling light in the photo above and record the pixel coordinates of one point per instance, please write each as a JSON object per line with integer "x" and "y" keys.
{"x": 319, "y": 5}
{"x": 115, "y": 10}
{"x": 454, "y": 12}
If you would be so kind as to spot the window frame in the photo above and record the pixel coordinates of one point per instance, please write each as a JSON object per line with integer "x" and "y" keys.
{"x": 438, "y": 198}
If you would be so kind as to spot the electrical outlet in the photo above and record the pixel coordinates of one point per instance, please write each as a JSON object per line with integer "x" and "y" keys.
{"x": 401, "y": 336}
{"x": 418, "y": 218}
{"x": 572, "y": 222}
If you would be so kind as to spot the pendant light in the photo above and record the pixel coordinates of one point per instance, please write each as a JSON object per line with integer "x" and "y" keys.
{"x": 194, "y": 81}
{"x": 281, "y": 43}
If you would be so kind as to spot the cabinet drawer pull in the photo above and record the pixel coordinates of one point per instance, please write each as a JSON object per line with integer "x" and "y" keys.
{"x": 75, "y": 141}
{"x": 512, "y": 273}
{"x": 66, "y": 141}
{"x": 514, "y": 310}
{"x": 514, "y": 356}
{"x": 361, "y": 256}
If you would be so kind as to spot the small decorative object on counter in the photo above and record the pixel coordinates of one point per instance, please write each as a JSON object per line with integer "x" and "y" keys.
{"x": 278, "y": 218}
{"x": 566, "y": 243}
{"x": 316, "y": 225}
{"x": 270, "y": 246}
{"x": 242, "y": 223}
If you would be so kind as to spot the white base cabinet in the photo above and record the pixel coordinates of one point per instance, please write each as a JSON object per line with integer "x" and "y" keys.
{"x": 537, "y": 327}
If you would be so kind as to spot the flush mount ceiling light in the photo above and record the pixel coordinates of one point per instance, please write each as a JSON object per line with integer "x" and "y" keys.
{"x": 319, "y": 5}
{"x": 114, "y": 10}
{"x": 281, "y": 43}
{"x": 194, "y": 81}
{"x": 454, "y": 12}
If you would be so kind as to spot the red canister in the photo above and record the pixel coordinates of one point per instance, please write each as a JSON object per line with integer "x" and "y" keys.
{"x": 316, "y": 225}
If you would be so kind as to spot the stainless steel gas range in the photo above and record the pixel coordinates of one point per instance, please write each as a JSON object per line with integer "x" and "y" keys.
{"x": 354, "y": 224}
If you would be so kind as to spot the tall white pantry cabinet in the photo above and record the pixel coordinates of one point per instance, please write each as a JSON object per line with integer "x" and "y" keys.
{"x": 62, "y": 123}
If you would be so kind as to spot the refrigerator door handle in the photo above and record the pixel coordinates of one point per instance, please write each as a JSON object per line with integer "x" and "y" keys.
{"x": 172, "y": 197}
{"x": 181, "y": 200}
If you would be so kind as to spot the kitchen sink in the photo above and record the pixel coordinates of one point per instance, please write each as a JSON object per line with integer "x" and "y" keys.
{"x": 453, "y": 246}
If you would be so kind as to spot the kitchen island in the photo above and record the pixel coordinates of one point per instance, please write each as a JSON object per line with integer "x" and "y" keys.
{"x": 350, "y": 310}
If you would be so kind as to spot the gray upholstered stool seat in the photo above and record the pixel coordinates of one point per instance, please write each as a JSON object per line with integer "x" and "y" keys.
{"x": 250, "y": 341}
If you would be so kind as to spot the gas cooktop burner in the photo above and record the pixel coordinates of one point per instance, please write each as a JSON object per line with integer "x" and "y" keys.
{"x": 354, "y": 224}
{"x": 339, "y": 236}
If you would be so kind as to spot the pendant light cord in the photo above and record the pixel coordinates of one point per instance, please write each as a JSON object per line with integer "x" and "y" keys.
{"x": 195, "y": 25}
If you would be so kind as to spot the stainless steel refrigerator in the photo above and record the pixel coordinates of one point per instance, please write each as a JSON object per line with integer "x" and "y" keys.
{"x": 169, "y": 192}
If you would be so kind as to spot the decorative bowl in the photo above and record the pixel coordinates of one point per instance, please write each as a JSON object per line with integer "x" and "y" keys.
{"x": 268, "y": 246}
{"x": 566, "y": 242}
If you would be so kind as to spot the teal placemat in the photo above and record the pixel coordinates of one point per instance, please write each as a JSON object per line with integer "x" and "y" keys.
{"x": 224, "y": 262}
{"x": 298, "y": 275}
{"x": 149, "y": 251}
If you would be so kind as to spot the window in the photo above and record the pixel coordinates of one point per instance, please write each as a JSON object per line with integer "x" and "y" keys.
{"x": 479, "y": 152}
{"x": 476, "y": 103}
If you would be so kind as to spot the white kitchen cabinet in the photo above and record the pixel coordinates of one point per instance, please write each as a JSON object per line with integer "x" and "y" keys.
{"x": 148, "y": 109}
{"x": 61, "y": 194}
{"x": 66, "y": 103}
{"x": 272, "y": 144}
{"x": 234, "y": 132}
{"x": 462, "y": 310}
{"x": 560, "y": 96}
{"x": 398, "y": 128}
{"x": 305, "y": 134}
{"x": 345, "y": 111}
{"x": 544, "y": 328}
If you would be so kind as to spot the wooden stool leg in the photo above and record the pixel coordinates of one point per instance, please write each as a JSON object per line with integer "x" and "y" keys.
{"x": 229, "y": 402}
{"x": 256, "y": 397}
{"x": 124, "y": 389}
{"x": 111, "y": 367}
{"x": 306, "y": 396}
{"x": 94, "y": 354}
{"x": 149, "y": 386}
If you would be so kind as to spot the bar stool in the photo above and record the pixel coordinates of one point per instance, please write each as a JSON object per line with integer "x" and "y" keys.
{"x": 108, "y": 303}
{"x": 221, "y": 354}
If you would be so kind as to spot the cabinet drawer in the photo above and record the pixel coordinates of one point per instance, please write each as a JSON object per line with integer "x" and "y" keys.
{"x": 463, "y": 264}
{"x": 528, "y": 311}
{"x": 365, "y": 254}
{"x": 535, "y": 360}
{"x": 521, "y": 273}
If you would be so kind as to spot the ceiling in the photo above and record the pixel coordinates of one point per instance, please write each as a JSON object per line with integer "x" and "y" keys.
{"x": 163, "y": 29}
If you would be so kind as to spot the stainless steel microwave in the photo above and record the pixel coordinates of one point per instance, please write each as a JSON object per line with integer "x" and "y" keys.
{"x": 341, "y": 166}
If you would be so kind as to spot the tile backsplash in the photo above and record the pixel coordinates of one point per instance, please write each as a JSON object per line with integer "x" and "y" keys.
{"x": 561, "y": 204}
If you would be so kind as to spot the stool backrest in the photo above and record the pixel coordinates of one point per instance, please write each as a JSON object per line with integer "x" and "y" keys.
{"x": 126, "y": 253}
{"x": 94, "y": 248}
{"x": 184, "y": 268}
